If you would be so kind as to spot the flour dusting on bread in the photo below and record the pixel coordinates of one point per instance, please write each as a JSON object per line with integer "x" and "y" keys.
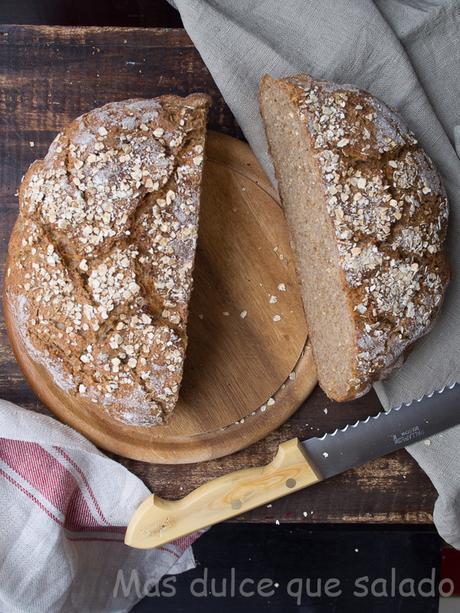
{"x": 102, "y": 254}
{"x": 368, "y": 217}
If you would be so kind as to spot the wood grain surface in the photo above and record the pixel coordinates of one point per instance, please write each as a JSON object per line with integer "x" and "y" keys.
{"x": 49, "y": 75}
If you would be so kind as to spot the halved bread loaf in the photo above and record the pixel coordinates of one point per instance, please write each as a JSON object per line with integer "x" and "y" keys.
{"x": 368, "y": 216}
{"x": 101, "y": 257}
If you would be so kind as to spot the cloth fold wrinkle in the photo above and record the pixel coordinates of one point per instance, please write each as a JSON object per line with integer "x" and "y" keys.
{"x": 423, "y": 42}
{"x": 67, "y": 506}
{"x": 379, "y": 46}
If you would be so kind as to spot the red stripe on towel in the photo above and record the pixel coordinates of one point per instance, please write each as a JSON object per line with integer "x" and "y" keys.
{"x": 54, "y": 482}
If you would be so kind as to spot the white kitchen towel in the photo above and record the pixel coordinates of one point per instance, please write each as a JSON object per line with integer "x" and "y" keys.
{"x": 407, "y": 52}
{"x": 64, "y": 507}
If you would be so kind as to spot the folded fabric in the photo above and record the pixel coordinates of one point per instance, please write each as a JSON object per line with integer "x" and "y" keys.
{"x": 65, "y": 507}
{"x": 408, "y": 54}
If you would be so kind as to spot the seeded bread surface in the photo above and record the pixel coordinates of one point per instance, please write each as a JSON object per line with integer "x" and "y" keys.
{"x": 101, "y": 256}
{"x": 344, "y": 159}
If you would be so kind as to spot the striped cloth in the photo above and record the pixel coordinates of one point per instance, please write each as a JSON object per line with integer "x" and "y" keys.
{"x": 64, "y": 511}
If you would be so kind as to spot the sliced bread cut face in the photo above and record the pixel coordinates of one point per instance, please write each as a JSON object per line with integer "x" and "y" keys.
{"x": 102, "y": 254}
{"x": 368, "y": 216}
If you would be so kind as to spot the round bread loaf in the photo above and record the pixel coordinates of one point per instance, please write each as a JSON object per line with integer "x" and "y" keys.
{"x": 100, "y": 260}
{"x": 368, "y": 217}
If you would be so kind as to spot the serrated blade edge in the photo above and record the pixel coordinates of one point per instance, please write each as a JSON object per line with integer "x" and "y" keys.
{"x": 380, "y": 434}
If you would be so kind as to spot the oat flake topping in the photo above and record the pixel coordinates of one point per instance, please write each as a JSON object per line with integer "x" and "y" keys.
{"x": 102, "y": 254}
{"x": 389, "y": 213}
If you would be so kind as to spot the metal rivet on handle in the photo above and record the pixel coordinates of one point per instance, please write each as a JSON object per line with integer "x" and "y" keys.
{"x": 290, "y": 483}
{"x": 236, "y": 504}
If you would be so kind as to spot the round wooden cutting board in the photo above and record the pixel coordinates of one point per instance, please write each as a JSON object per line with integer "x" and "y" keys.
{"x": 248, "y": 367}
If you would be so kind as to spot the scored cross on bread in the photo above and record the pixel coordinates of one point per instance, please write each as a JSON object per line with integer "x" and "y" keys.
{"x": 102, "y": 253}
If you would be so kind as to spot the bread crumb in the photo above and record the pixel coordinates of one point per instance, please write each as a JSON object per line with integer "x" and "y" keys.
{"x": 325, "y": 411}
{"x": 427, "y": 442}
{"x": 270, "y": 402}
{"x": 325, "y": 454}
{"x": 31, "y": 143}
{"x": 282, "y": 287}
{"x": 292, "y": 375}
{"x": 225, "y": 313}
{"x": 243, "y": 314}
{"x": 276, "y": 318}
{"x": 272, "y": 300}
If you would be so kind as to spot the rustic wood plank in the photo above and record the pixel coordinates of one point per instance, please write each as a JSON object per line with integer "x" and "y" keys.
{"x": 49, "y": 75}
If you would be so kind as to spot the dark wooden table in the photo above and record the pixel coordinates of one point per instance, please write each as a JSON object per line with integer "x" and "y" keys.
{"x": 48, "y": 76}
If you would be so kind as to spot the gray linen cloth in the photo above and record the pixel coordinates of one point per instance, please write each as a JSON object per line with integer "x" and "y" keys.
{"x": 406, "y": 52}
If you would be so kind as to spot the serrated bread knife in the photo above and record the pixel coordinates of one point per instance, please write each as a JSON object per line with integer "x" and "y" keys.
{"x": 297, "y": 464}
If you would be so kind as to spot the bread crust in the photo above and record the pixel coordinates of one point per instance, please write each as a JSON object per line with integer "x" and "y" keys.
{"x": 389, "y": 213}
{"x": 100, "y": 259}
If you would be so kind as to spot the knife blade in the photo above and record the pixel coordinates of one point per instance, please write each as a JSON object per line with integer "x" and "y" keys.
{"x": 378, "y": 435}
{"x": 296, "y": 465}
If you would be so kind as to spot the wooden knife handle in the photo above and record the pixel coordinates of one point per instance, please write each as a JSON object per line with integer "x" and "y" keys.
{"x": 158, "y": 521}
